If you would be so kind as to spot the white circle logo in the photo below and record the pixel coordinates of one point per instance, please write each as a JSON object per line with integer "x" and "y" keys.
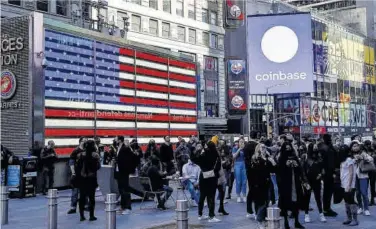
{"x": 279, "y": 44}
{"x": 235, "y": 11}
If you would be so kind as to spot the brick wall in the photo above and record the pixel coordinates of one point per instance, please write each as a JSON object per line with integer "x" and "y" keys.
{"x": 15, "y": 121}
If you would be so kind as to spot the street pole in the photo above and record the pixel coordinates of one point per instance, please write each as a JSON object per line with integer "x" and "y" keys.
{"x": 4, "y": 205}
{"x": 267, "y": 112}
{"x": 273, "y": 218}
{"x": 111, "y": 211}
{"x": 52, "y": 208}
{"x": 182, "y": 214}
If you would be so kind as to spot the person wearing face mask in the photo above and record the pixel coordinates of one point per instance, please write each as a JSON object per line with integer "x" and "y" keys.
{"x": 313, "y": 168}
{"x": 240, "y": 171}
{"x": 291, "y": 180}
{"x": 362, "y": 179}
{"x": 48, "y": 158}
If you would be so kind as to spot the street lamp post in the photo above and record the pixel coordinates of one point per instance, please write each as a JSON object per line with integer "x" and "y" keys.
{"x": 268, "y": 105}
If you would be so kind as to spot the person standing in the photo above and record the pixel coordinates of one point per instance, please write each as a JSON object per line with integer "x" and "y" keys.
{"x": 88, "y": 163}
{"x": 124, "y": 166}
{"x": 292, "y": 177}
{"x": 249, "y": 151}
{"x": 167, "y": 156}
{"x": 313, "y": 168}
{"x": 328, "y": 153}
{"x": 371, "y": 151}
{"x": 240, "y": 172}
{"x": 74, "y": 182}
{"x": 348, "y": 180}
{"x": 181, "y": 155}
{"x": 48, "y": 159}
{"x": 209, "y": 162}
{"x": 362, "y": 179}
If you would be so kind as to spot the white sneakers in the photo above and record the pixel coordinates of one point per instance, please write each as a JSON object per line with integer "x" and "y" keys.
{"x": 203, "y": 217}
{"x": 214, "y": 220}
{"x": 322, "y": 218}
{"x": 125, "y": 212}
{"x": 251, "y": 216}
{"x": 367, "y": 213}
{"x": 360, "y": 211}
{"x": 307, "y": 218}
{"x": 211, "y": 220}
{"x": 239, "y": 199}
{"x": 245, "y": 199}
{"x": 194, "y": 204}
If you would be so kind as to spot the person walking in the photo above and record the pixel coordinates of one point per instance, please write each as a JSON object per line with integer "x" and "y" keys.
{"x": 291, "y": 176}
{"x": 313, "y": 168}
{"x": 210, "y": 163}
{"x": 48, "y": 158}
{"x": 124, "y": 166}
{"x": 362, "y": 178}
{"x": 240, "y": 171}
{"x": 348, "y": 180}
{"x": 88, "y": 163}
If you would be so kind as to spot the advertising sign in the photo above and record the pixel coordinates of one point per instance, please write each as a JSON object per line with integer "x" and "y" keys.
{"x": 237, "y": 93}
{"x": 291, "y": 112}
{"x": 280, "y": 52}
{"x": 235, "y": 13}
{"x": 13, "y": 177}
{"x": 324, "y": 113}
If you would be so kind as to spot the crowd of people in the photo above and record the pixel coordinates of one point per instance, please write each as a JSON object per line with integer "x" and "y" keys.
{"x": 281, "y": 171}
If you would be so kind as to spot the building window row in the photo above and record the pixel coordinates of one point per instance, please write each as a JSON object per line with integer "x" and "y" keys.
{"x": 43, "y": 5}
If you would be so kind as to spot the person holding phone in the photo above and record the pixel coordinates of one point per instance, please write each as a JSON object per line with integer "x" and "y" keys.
{"x": 240, "y": 172}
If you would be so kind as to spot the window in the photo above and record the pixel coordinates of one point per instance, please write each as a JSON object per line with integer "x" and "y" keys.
{"x": 61, "y": 7}
{"x": 166, "y": 30}
{"x": 120, "y": 20}
{"x": 153, "y": 27}
{"x": 103, "y": 14}
{"x": 220, "y": 42}
{"x": 167, "y": 6}
{"x": 211, "y": 63}
{"x": 15, "y": 2}
{"x": 191, "y": 10}
{"x": 180, "y": 8}
{"x": 213, "y": 41}
{"x": 86, "y": 10}
{"x": 213, "y": 18}
{"x": 211, "y": 110}
{"x": 153, "y": 4}
{"x": 205, "y": 16}
{"x": 205, "y": 39}
{"x": 189, "y": 54}
{"x": 138, "y": 2}
{"x": 136, "y": 23}
{"x": 42, "y": 5}
{"x": 181, "y": 33}
{"x": 192, "y": 36}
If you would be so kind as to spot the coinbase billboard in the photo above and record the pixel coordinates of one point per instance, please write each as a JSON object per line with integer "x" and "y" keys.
{"x": 280, "y": 53}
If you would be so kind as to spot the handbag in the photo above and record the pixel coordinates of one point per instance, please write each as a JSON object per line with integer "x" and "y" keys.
{"x": 210, "y": 173}
{"x": 367, "y": 166}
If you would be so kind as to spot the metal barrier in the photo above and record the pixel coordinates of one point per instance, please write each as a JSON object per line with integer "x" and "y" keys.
{"x": 4, "y": 204}
{"x": 52, "y": 208}
{"x": 111, "y": 200}
{"x": 273, "y": 218}
{"x": 182, "y": 214}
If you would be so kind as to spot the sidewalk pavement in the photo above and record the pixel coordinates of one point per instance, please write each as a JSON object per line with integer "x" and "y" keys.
{"x": 31, "y": 213}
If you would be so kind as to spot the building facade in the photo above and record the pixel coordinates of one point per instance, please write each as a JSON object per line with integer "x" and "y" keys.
{"x": 193, "y": 28}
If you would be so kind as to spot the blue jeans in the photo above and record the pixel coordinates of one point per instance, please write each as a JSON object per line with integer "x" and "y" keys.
{"x": 275, "y": 186}
{"x": 241, "y": 178}
{"x": 74, "y": 198}
{"x": 362, "y": 193}
{"x": 168, "y": 191}
{"x": 195, "y": 193}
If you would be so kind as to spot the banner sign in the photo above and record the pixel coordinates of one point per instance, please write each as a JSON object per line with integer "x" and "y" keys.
{"x": 237, "y": 93}
{"x": 280, "y": 56}
{"x": 235, "y": 13}
{"x": 13, "y": 177}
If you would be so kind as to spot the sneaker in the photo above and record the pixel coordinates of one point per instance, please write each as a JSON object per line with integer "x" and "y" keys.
{"x": 367, "y": 213}
{"x": 245, "y": 199}
{"x": 307, "y": 219}
{"x": 225, "y": 201}
{"x": 194, "y": 204}
{"x": 214, "y": 220}
{"x": 239, "y": 200}
{"x": 203, "y": 217}
{"x": 72, "y": 211}
{"x": 126, "y": 212}
{"x": 360, "y": 211}
{"x": 322, "y": 218}
{"x": 260, "y": 226}
{"x": 251, "y": 216}
{"x": 354, "y": 223}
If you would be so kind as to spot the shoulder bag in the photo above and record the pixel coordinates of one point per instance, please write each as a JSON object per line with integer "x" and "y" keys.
{"x": 210, "y": 173}
{"x": 366, "y": 167}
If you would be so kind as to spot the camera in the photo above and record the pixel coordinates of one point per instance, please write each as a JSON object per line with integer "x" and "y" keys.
{"x": 44, "y": 63}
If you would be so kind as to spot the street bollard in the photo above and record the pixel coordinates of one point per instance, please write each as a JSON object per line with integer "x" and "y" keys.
{"x": 273, "y": 218}
{"x": 182, "y": 214}
{"x": 111, "y": 200}
{"x": 52, "y": 208}
{"x": 4, "y": 204}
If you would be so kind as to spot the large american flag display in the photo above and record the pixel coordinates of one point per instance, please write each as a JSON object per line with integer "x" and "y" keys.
{"x": 98, "y": 89}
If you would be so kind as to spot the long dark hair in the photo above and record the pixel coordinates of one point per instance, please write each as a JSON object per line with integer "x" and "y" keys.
{"x": 311, "y": 152}
{"x": 344, "y": 153}
{"x": 286, "y": 155}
